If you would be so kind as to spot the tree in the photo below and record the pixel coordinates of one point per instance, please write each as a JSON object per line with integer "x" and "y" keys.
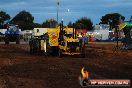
{"x": 23, "y": 16}
{"x": 70, "y": 25}
{"x": 4, "y": 17}
{"x": 37, "y": 25}
{"x": 84, "y": 23}
{"x": 112, "y": 19}
{"x": 24, "y": 19}
{"x": 49, "y": 23}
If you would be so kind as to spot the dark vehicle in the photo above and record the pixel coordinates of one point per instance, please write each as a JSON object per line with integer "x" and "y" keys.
{"x": 12, "y": 34}
{"x": 128, "y": 37}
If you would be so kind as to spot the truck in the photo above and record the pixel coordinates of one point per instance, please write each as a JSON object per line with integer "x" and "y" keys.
{"x": 58, "y": 41}
{"x": 12, "y": 34}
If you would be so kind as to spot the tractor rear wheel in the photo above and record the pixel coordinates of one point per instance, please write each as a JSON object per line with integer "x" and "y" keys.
{"x": 60, "y": 53}
{"x": 6, "y": 39}
{"x": 6, "y": 42}
{"x": 31, "y": 47}
{"x": 17, "y": 39}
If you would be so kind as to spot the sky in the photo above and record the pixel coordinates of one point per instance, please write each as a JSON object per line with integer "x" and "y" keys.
{"x": 47, "y": 9}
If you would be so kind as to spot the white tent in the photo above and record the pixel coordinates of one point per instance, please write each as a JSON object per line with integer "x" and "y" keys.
{"x": 102, "y": 31}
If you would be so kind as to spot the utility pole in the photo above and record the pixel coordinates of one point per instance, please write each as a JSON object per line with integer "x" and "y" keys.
{"x": 131, "y": 18}
{"x": 58, "y": 3}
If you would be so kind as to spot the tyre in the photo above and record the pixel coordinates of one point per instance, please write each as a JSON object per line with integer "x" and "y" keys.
{"x": 60, "y": 53}
{"x": 6, "y": 39}
{"x": 17, "y": 39}
{"x": 31, "y": 47}
{"x": 17, "y": 42}
{"x": 6, "y": 42}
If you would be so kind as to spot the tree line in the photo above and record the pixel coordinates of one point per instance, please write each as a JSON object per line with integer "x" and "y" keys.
{"x": 25, "y": 20}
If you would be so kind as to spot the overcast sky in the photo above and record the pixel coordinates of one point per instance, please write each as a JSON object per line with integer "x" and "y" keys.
{"x": 46, "y": 9}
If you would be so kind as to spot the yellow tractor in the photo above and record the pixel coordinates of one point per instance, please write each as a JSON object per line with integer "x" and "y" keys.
{"x": 72, "y": 46}
{"x": 58, "y": 41}
{"x": 69, "y": 44}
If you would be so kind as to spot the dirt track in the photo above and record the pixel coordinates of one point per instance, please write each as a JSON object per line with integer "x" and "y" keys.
{"x": 19, "y": 69}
